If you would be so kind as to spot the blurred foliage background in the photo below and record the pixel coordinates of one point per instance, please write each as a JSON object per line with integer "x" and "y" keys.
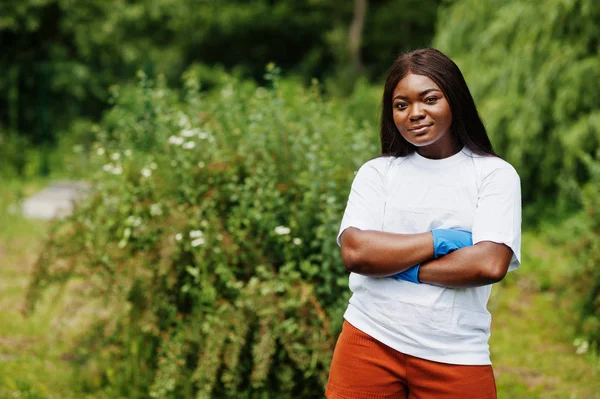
{"x": 62, "y": 56}
{"x": 220, "y": 139}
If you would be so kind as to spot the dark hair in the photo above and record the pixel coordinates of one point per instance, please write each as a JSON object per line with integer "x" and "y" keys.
{"x": 466, "y": 126}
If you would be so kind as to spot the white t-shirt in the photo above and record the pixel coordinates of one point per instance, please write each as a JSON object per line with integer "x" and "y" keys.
{"x": 413, "y": 194}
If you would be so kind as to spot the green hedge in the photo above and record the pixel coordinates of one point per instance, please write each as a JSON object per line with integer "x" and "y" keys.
{"x": 580, "y": 235}
{"x": 534, "y": 70}
{"x": 210, "y": 237}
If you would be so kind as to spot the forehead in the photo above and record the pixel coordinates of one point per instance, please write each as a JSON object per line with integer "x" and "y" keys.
{"x": 414, "y": 84}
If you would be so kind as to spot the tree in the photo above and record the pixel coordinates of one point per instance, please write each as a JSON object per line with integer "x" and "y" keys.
{"x": 61, "y": 56}
{"x": 356, "y": 31}
{"x": 534, "y": 70}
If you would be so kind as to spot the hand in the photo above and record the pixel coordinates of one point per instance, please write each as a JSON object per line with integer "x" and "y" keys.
{"x": 448, "y": 240}
{"x": 410, "y": 275}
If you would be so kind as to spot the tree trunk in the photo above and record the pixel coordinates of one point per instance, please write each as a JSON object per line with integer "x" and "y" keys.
{"x": 355, "y": 33}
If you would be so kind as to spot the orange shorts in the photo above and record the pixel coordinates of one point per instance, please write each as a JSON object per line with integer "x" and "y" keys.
{"x": 364, "y": 368}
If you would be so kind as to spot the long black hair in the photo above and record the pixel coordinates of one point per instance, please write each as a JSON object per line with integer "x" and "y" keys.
{"x": 466, "y": 127}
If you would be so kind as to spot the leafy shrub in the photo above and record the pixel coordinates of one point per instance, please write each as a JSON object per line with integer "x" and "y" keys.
{"x": 14, "y": 149}
{"x": 21, "y": 159}
{"x": 582, "y": 235}
{"x": 210, "y": 238}
{"x": 534, "y": 71}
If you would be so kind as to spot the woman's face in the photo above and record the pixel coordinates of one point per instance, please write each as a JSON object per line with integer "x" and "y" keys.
{"x": 423, "y": 117}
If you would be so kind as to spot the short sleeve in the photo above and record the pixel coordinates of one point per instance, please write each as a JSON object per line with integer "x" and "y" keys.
{"x": 498, "y": 214}
{"x": 366, "y": 201}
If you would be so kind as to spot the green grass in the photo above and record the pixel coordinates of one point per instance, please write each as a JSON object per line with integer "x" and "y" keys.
{"x": 534, "y": 328}
{"x": 532, "y": 333}
{"x": 34, "y": 350}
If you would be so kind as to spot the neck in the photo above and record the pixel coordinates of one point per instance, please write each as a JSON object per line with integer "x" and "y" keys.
{"x": 440, "y": 150}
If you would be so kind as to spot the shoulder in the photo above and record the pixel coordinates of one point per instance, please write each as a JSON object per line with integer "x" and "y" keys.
{"x": 490, "y": 166}
{"x": 374, "y": 171}
{"x": 380, "y": 165}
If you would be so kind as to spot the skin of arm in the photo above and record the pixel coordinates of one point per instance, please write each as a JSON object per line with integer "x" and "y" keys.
{"x": 481, "y": 264}
{"x": 379, "y": 254}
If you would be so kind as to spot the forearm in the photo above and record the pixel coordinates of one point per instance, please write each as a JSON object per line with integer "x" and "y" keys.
{"x": 482, "y": 264}
{"x": 379, "y": 254}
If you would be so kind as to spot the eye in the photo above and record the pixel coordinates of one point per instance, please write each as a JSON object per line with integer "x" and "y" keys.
{"x": 431, "y": 100}
{"x": 401, "y": 106}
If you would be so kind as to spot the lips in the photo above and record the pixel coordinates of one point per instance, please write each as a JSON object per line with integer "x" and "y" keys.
{"x": 419, "y": 129}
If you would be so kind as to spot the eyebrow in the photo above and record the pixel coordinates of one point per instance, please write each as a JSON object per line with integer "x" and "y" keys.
{"x": 421, "y": 94}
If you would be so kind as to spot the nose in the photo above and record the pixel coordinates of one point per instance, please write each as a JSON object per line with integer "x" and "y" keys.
{"x": 416, "y": 113}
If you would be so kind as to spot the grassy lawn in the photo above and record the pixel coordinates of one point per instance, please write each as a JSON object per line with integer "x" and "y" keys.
{"x": 534, "y": 328}
{"x": 532, "y": 333}
{"x": 34, "y": 357}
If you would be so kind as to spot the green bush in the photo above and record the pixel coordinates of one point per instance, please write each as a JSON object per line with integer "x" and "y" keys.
{"x": 534, "y": 70}
{"x": 14, "y": 150}
{"x": 210, "y": 238}
{"x": 581, "y": 233}
{"x": 66, "y": 158}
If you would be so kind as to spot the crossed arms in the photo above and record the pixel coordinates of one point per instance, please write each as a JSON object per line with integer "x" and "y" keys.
{"x": 379, "y": 254}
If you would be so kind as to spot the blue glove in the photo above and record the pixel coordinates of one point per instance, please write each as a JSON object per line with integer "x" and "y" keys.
{"x": 411, "y": 275}
{"x": 448, "y": 240}
{"x": 444, "y": 242}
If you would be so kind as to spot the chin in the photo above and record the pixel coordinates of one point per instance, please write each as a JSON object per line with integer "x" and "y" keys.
{"x": 423, "y": 142}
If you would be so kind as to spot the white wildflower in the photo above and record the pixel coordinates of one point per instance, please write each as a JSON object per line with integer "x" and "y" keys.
{"x": 153, "y": 166}
{"x": 117, "y": 170}
{"x": 582, "y": 346}
{"x": 198, "y": 241}
{"x": 146, "y": 172}
{"x": 203, "y": 223}
{"x": 116, "y": 156}
{"x": 155, "y": 210}
{"x": 183, "y": 120}
{"x": 175, "y": 140}
{"x": 100, "y": 151}
{"x": 200, "y": 164}
{"x": 189, "y": 145}
{"x": 196, "y": 233}
{"x": 133, "y": 221}
{"x": 227, "y": 92}
{"x": 188, "y": 132}
{"x": 108, "y": 167}
{"x": 282, "y": 230}
{"x": 203, "y": 135}
{"x": 128, "y": 153}
{"x": 178, "y": 236}
{"x": 297, "y": 241}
